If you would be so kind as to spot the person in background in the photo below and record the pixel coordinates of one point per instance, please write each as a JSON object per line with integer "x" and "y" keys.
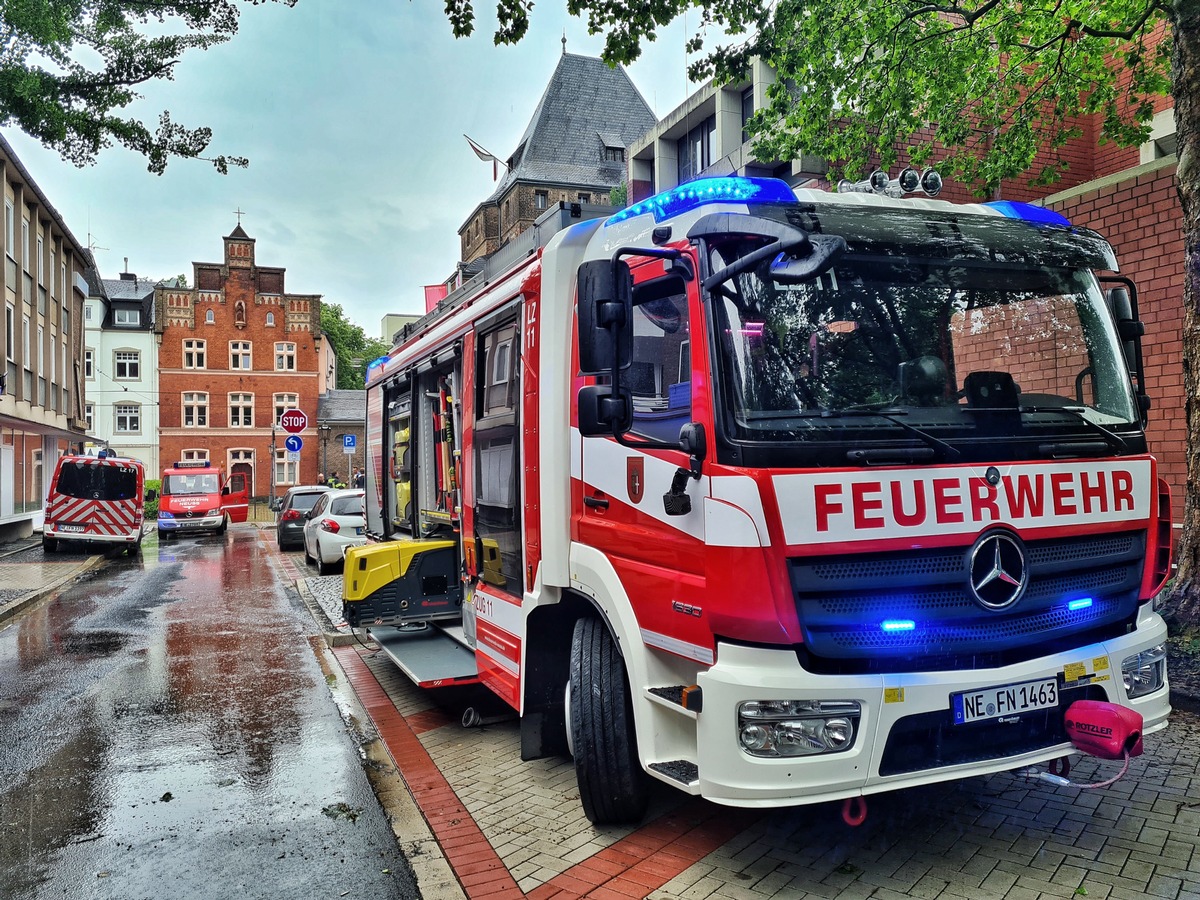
{"x": 360, "y": 478}
{"x": 321, "y": 478}
{"x": 333, "y": 481}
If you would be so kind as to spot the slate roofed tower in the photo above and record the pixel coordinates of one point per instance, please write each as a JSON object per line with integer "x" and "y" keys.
{"x": 573, "y": 150}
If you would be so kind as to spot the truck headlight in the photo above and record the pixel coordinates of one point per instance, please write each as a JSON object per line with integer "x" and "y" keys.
{"x": 776, "y": 728}
{"x": 1146, "y": 672}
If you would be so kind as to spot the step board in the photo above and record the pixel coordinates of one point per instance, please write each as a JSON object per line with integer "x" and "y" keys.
{"x": 682, "y": 771}
{"x": 431, "y": 657}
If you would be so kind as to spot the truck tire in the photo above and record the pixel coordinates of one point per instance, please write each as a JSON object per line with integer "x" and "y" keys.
{"x": 49, "y": 544}
{"x": 612, "y": 785}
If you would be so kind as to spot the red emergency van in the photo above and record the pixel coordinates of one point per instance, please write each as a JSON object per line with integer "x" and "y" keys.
{"x": 196, "y": 497}
{"x": 96, "y": 498}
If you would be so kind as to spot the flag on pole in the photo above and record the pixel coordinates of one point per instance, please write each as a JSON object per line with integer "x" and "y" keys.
{"x": 486, "y": 156}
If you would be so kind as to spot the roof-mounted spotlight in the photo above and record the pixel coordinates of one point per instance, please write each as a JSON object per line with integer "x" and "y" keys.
{"x": 931, "y": 182}
{"x": 879, "y": 181}
{"x": 910, "y": 180}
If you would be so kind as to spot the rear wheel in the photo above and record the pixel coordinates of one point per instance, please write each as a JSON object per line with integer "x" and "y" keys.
{"x": 49, "y": 544}
{"x": 323, "y": 568}
{"x": 136, "y": 547}
{"x": 612, "y": 785}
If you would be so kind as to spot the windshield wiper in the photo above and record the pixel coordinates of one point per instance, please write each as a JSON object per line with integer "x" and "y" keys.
{"x": 948, "y": 452}
{"x": 1114, "y": 440}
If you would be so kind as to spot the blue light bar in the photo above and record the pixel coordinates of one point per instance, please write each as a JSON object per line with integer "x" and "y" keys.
{"x": 708, "y": 190}
{"x": 1027, "y": 212}
{"x": 1083, "y": 603}
{"x": 376, "y": 362}
{"x": 898, "y": 625}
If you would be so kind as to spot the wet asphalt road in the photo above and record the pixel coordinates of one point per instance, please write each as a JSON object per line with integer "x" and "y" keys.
{"x": 166, "y": 731}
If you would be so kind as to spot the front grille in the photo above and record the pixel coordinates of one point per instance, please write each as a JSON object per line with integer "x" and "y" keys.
{"x": 932, "y": 740}
{"x": 843, "y": 602}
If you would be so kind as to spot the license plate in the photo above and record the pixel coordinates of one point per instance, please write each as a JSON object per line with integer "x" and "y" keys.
{"x": 73, "y": 528}
{"x": 358, "y": 530}
{"x": 1009, "y": 700}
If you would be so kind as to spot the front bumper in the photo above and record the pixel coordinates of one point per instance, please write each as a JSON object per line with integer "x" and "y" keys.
{"x": 195, "y": 523}
{"x": 891, "y": 704}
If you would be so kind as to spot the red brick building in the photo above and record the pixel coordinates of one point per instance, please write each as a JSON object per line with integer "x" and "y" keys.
{"x": 234, "y": 352}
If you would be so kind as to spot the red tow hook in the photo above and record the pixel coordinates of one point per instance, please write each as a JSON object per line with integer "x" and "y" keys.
{"x": 852, "y": 817}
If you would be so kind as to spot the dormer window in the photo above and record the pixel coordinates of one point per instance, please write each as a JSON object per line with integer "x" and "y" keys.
{"x": 128, "y": 317}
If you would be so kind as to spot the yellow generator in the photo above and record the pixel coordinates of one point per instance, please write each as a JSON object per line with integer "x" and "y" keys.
{"x": 400, "y": 582}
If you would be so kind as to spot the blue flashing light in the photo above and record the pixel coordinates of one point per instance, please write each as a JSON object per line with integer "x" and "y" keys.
{"x": 1083, "y": 603}
{"x": 376, "y": 362}
{"x": 1027, "y": 212}
{"x": 898, "y": 625}
{"x": 688, "y": 196}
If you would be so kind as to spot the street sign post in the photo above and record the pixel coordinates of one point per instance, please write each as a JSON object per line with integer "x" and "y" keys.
{"x": 294, "y": 443}
{"x": 293, "y": 421}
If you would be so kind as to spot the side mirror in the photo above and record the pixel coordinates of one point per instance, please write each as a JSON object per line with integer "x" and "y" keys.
{"x": 601, "y": 411}
{"x": 225, "y": 491}
{"x": 798, "y": 267}
{"x": 605, "y": 305}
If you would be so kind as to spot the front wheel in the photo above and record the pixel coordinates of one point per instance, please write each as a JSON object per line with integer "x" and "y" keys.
{"x": 49, "y": 544}
{"x": 612, "y": 785}
{"x": 224, "y": 525}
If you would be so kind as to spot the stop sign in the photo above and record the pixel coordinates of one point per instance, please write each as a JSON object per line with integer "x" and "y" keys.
{"x": 293, "y": 421}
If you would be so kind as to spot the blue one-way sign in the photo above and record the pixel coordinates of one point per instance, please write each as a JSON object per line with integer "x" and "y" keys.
{"x": 293, "y": 443}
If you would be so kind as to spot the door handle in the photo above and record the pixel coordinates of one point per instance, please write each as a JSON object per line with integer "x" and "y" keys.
{"x": 596, "y": 502}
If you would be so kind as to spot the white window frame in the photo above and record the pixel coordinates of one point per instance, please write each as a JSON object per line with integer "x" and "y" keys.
{"x": 285, "y": 357}
{"x": 195, "y": 403}
{"x": 89, "y": 411}
{"x": 194, "y": 455}
{"x": 10, "y": 332}
{"x": 10, "y": 230}
{"x": 41, "y": 265}
{"x": 125, "y": 358}
{"x": 209, "y": 317}
{"x": 128, "y": 415}
{"x": 286, "y": 470}
{"x": 127, "y": 317}
{"x": 195, "y": 354}
{"x": 28, "y": 339}
{"x": 89, "y": 363}
{"x": 270, "y": 320}
{"x": 244, "y": 403}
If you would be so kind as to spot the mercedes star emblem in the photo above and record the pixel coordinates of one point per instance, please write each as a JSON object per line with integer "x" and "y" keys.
{"x": 998, "y": 573}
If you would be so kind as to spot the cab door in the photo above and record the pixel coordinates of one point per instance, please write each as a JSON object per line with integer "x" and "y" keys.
{"x": 658, "y": 553}
{"x": 235, "y": 497}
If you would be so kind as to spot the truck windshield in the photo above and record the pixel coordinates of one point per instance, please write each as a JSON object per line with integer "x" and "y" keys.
{"x": 919, "y": 348}
{"x": 191, "y": 484}
{"x": 93, "y": 482}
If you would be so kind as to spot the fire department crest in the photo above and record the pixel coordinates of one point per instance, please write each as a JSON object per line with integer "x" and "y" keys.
{"x": 635, "y": 470}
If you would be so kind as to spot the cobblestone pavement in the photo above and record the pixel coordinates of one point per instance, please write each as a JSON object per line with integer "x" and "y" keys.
{"x": 511, "y": 828}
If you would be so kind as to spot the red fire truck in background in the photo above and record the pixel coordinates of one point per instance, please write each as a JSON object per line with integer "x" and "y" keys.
{"x": 777, "y": 496}
{"x": 196, "y": 497}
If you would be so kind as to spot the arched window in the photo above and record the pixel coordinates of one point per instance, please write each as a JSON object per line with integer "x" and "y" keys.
{"x": 209, "y": 317}
{"x": 270, "y": 320}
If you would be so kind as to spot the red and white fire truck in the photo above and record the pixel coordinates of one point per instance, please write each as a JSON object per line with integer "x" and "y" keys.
{"x": 777, "y": 496}
{"x": 96, "y": 498}
{"x": 196, "y": 497}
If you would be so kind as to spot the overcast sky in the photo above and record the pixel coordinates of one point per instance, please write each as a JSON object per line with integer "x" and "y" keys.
{"x": 352, "y": 116}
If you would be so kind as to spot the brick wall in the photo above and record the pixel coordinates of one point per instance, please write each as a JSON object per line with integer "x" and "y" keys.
{"x": 1141, "y": 218}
